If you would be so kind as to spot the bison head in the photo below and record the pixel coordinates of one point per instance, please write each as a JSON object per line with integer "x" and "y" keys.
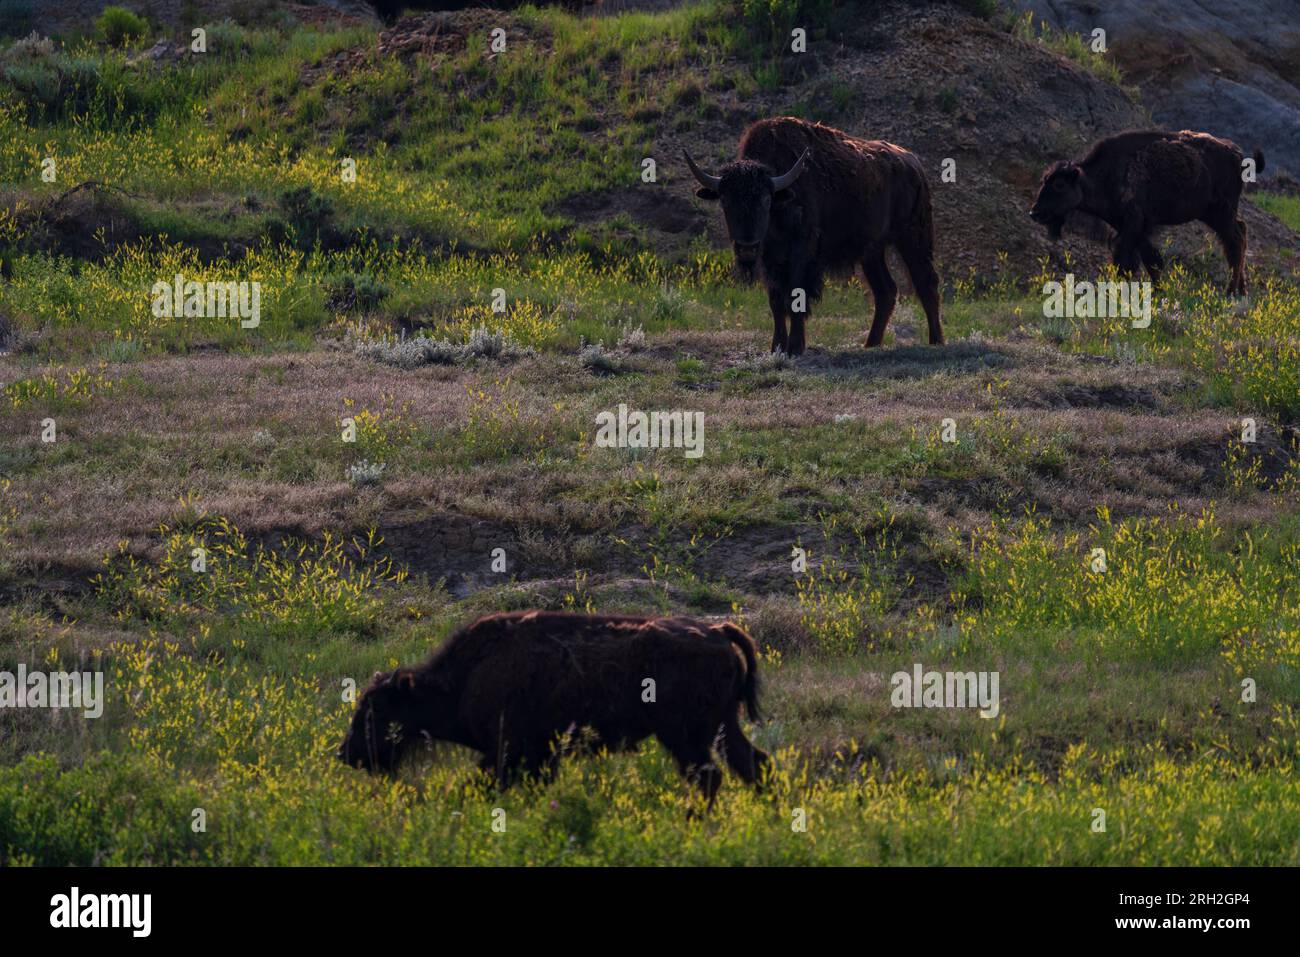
{"x": 1060, "y": 193}
{"x": 748, "y": 192}
{"x": 383, "y": 724}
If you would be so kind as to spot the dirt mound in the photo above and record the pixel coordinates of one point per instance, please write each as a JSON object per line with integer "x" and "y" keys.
{"x": 420, "y": 39}
{"x": 1269, "y": 458}
{"x": 92, "y": 219}
{"x": 668, "y": 214}
{"x": 84, "y": 222}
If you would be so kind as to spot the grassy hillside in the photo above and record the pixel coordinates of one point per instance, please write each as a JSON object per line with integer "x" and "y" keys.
{"x": 1121, "y": 687}
{"x": 1285, "y": 207}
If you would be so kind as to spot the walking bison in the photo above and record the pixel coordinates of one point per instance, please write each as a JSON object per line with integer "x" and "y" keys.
{"x": 1143, "y": 179}
{"x": 509, "y": 685}
{"x": 802, "y": 200}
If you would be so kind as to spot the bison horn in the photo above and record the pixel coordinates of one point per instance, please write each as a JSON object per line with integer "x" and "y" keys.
{"x": 707, "y": 181}
{"x": 787, "y": 180}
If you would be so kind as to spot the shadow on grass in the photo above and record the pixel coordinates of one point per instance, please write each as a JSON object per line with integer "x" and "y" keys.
{"x": 905, "y": 362}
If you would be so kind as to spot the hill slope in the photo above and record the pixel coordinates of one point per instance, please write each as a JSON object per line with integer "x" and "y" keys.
{"x": 545, "y": 143}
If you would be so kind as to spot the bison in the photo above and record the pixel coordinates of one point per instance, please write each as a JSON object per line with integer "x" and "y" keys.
{"x": 1143, "y": 179}
{"x": 509, "y": 685}
{"x": 803, "y": 199}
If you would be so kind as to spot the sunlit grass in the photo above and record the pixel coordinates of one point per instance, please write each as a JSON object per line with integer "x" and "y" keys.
{"x": 1285, "y": 207}
{"x": 208, "y": 571}
{"x": 245, "y": 747}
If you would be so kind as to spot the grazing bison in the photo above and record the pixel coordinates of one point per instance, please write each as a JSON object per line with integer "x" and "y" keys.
{"x": 1144, "y": 179}
{"x": 510, "y": 684}
{"x": 803, "y": 199}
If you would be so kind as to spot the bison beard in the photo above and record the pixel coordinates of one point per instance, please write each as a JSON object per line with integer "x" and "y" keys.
{"x": 511, "y": 684}
{"x": 802, "y": 200}
{"x": 1141, "y": 180}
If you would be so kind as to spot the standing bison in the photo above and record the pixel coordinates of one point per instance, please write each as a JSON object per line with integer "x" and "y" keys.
{"x": 803, "y": 199}
{"x": 510, "y": 684}
{"x": 1141, "y": 180}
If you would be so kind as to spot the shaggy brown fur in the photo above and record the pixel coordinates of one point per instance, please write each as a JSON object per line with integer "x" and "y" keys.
{"x": 510, "y": 684}
{"x": 852, "y": 200}
{"x": 1144, "y": 179}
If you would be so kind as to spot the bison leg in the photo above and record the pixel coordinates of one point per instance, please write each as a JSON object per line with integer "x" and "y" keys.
{"x": 692, "y": 749}
{"x": 796, "y": 333}
{"x": 1231, "y": 231}
{"x": 491, "y": 763}
{"x": 1125, "y": 253}
{"x": 805, "y": 276}
{"x": 778, "y": 302}
{"x": 740, "y": 753}
{"x": 925, "y": 280}
{"x": 884, "y": 291}
{"x": 1241, "y": 257}
{"x": 541, "y": 758}
{"x": 503, "y": 761}
{"x": 1152, "y": 259}
{"x": 697, "y": 767}
{"x": 1233, "y": 237}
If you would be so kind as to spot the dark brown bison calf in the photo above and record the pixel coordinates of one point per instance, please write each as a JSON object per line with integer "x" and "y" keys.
{"x": 802, "y": 200}
{"x": 510, "y": 684}
{"x": 1141, "y": 180}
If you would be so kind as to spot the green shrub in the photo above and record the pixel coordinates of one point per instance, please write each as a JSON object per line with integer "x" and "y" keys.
{"x": 770, "y": 21}
{"x": 362, "y": 292}
{"x": 100, "y": 92}
{"x": 120, "y": 27}
{"x": 309, "y": 214}
{"x": 229, "y": 40}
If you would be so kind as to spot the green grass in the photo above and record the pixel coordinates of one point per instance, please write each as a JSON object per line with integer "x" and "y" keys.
{"x": 1073, "y": 46}
{"x": 1249, "y": 353}
{"x": 472, "y": 151}
{"x": 1284, "y": 207}
{"x": 216, "y": 725}
{"x": 627, "y": 811}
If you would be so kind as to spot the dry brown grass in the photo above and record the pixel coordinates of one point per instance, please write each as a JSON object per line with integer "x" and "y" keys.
{"x": 175, "y": 438}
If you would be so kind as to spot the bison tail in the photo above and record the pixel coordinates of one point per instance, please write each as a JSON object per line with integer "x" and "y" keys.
{"x": 1259, "y": 160}
{"x": 925, "y": 219}
{"x": 749, "y": 688}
